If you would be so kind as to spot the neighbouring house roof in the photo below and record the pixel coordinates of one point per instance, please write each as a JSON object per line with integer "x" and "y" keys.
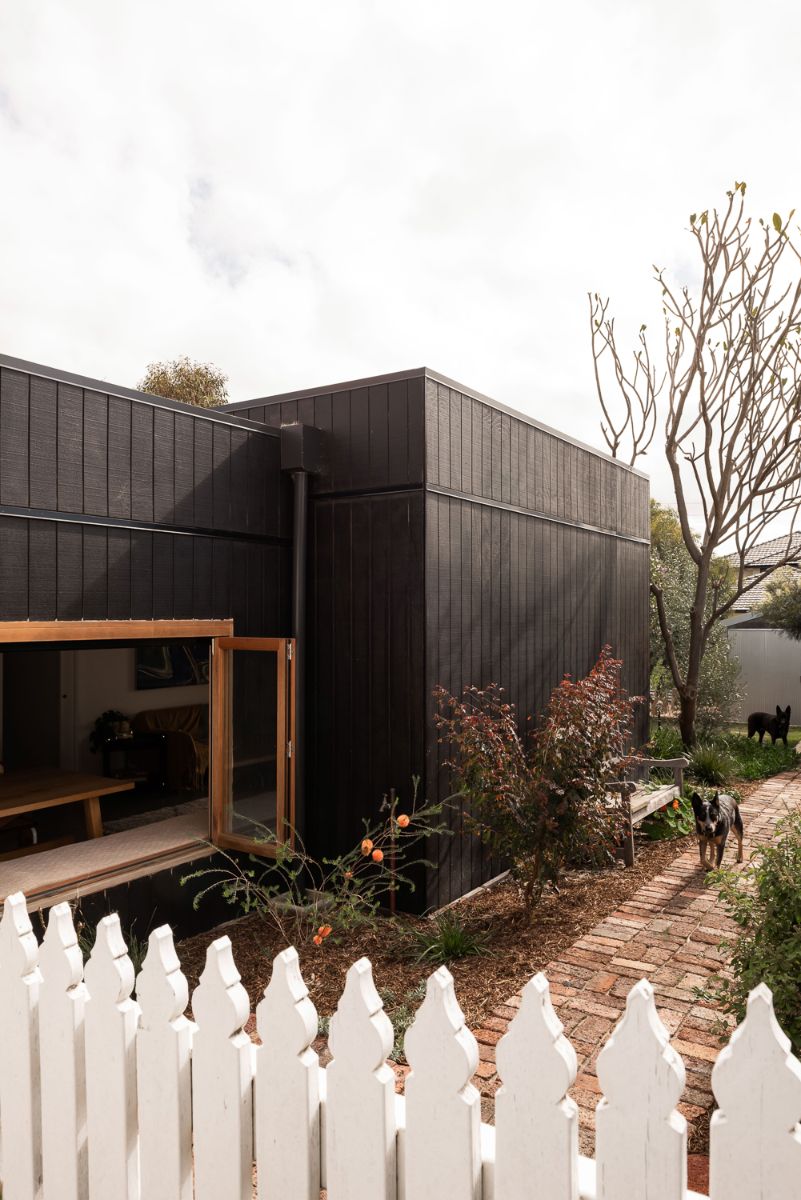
{"x": 756, "y": 596}
{"x": 770, "y": 554}
{"x": 762, "y": 558}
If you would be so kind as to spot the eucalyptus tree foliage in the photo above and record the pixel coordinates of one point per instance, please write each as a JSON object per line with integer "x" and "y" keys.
{"x": 720, "y": 389}
{"x": 190, "y": 382}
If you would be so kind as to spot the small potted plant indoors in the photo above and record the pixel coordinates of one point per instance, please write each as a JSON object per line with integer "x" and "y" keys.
{"x": 110, "y": 724}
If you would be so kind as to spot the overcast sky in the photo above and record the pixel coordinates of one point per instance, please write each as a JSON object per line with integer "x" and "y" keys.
{"x": 304, "y": 193}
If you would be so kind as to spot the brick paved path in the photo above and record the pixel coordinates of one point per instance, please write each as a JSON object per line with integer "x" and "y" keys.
{"x": 668, "y": 931}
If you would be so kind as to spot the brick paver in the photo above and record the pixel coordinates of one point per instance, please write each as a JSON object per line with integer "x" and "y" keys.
{"x": 669, "y": 932}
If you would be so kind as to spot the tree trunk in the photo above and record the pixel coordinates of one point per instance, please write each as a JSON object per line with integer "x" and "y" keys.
{"x": 687, "y": 710}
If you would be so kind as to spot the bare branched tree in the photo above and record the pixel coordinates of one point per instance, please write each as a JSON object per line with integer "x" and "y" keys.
{"x": 728, "y": 386}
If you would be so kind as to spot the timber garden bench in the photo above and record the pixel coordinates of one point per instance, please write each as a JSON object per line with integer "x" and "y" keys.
{"x": 644, "y": 800}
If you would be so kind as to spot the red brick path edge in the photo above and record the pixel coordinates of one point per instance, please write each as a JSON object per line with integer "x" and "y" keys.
{"x": 668, "y": 932}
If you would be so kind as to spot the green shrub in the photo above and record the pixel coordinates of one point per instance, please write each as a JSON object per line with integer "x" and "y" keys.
{"x": 710, "y": 763}
{"x": 764, "y": 900}
{"x": 674, "y": 819}
{"x": 665, "y": 742}
{"x": 448, "y": 937}
{"x": 542, "y": 801}
{"x": 752, "y": 761}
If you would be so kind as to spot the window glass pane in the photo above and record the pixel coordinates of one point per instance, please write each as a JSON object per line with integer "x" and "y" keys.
{"x": 254, "y": 698}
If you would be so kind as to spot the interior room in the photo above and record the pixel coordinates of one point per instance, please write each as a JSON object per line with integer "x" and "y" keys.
{"x": 102, "y": 740}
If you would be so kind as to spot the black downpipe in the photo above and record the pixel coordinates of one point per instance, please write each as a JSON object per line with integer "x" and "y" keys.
{"x": 300, "y": 484}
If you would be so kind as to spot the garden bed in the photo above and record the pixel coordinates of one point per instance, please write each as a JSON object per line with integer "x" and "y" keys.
{"x": 516, "y": 947}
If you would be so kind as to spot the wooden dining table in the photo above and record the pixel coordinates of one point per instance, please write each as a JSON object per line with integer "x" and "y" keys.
{"x": 32, "y": 790}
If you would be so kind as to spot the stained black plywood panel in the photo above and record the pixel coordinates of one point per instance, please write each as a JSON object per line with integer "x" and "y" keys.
{"x": 42, "y": 605}
{"x": 255, "y": 486}
{"x": 119, "y": 574}
{"x": 13, "y": 438}
{"x": 238, "y": 509}
{"x": 69, "y": 574}
{"x": 204, "y": 470}
{"x": 119, "y": 457}
{"x": 221, "y": 578}
{"x": 221, "y": 486}
{"x": 43, "y": 444}
{"x": 142, "y": 462}
{"x": 95, "y": 454}
{"x": 183, "y": 469}
{"x": 240, "y": 599}
{"x": 202, "y": 590}
{"x": 141, "y": 575}
{"x": 340, "y": 443}
{"x": 13, "y": 569}
{"x": 183, "y": 576}
{"x": 378, "y": 437}
{"x": 163, "y": 576}
{"x": 163, "y": 466}
{"x": 95, "y": 573}
{"x": 70, "y": 449}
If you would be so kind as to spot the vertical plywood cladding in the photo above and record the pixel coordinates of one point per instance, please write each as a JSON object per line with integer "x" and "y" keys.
{"x": 115, "y": 505}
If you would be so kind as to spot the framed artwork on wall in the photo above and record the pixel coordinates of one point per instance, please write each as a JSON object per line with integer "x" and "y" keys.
{"x": 171, "y": 664}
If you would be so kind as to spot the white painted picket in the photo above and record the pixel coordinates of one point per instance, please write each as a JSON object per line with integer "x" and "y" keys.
{"x": 164, "y": 1073}
{"x": 103, "y": 1097}
{"x": 62, "y": 1058}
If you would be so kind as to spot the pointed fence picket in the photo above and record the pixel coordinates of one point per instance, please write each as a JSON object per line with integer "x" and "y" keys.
{"x": 755, "y": 1138}
{"x": 287, "y": 1087}
{"x": 163, "y": 1059}
{"x": 222, "y": 1081}
{"x": 536, "y": 1124}
{"x": 642, "y": 1078}
{"x": 360, "y": 1106}
{"x": 62, "y": 1006}
{"x": 111, "y": 1025}
{"x": 443, "y": 1108}
{"x": 165, "y": 1109}
{"x": 20, "y": 1098}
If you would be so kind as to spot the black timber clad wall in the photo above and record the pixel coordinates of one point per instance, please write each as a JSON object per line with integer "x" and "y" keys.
{"x": 366, "y": 670}
{"x": 165, "y": 513}
{"x": 376, "y": 433}
{"x": 512, "y": 597}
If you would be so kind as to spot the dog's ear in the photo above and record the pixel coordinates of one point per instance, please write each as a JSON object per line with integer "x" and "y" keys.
{"x": 787, "y": 714}
{"x": 697, "y": 803}
{"x": 715, "y": 801}
{"x": 779, "y": 712}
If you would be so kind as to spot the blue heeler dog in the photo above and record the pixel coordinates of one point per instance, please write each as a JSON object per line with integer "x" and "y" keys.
{"x": 714, "y": 819}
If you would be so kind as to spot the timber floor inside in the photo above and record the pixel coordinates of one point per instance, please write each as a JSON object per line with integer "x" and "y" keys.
{"x": 80, "y": 868}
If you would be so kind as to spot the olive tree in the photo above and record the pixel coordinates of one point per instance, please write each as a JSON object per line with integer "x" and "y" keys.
{"x": 723, "y": 389}
{"x": 190, "y": 382}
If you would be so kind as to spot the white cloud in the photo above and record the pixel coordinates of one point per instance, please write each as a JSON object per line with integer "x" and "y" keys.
{"x": 302, "y": 193}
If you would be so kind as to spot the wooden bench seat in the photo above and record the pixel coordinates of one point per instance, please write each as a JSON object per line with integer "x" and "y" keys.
{"x": 643, "y": 800}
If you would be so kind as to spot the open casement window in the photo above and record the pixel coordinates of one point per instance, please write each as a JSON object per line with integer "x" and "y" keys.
{"x": 253, "y": 763}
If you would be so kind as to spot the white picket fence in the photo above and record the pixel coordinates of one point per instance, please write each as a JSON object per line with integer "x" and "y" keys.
{"x": 111, "y": 1098}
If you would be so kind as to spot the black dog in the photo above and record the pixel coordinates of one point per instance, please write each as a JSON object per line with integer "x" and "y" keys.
{"x": 714, "y": 819}
{"x": 777, "y": 727}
